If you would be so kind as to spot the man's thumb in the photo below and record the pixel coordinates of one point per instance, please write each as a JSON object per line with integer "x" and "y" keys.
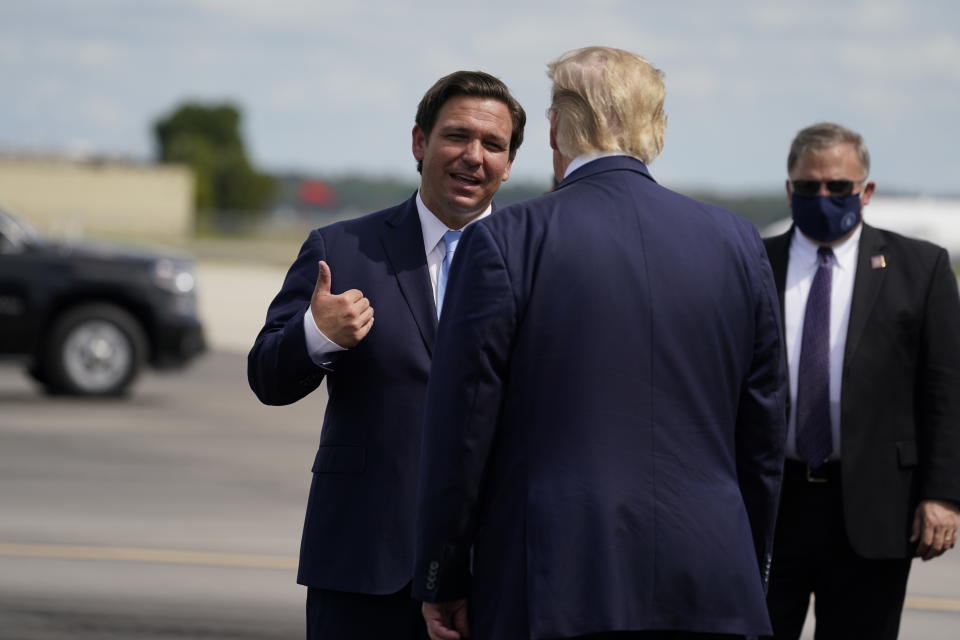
{"x": 323, "y": 279}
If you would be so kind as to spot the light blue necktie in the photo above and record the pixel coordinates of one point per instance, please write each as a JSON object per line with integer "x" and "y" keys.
{"x": 450, "y": 241}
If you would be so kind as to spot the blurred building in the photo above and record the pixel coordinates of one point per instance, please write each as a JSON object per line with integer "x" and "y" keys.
{"x": 69, "y": 196}
{"x": 934, "y": 219}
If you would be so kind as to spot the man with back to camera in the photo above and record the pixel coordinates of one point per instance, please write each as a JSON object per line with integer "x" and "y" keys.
{"x": 605, "y": 414}
{"x": 873, "y": 449}
{"x": 356, "y": 556}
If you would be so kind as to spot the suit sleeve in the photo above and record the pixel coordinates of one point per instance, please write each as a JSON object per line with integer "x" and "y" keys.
{"x": 279, "y": 368}
{"x": 761, "y": 416}
{"x": 939, "y": 422}
{"x": 462, "y": 408}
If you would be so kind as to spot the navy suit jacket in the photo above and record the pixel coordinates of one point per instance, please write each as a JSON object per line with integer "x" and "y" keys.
{"x": 605, "y": 416}
{"x": 358, "y": 532}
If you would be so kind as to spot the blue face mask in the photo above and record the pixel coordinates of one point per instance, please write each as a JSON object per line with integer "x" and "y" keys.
{"x": 826, "y": 218}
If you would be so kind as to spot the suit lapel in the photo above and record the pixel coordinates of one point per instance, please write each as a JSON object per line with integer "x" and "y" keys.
{"x": 403, "y": 244}
{"x": 866, "y": 286}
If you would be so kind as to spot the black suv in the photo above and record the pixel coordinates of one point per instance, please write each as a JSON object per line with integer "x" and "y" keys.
{"x": 85, "y": 318}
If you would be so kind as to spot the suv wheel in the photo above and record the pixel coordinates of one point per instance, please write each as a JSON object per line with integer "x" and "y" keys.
{"x": 94, "y": 350}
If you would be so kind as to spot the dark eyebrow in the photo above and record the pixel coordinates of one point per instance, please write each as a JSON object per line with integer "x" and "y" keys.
{"x": 453, "y": 128}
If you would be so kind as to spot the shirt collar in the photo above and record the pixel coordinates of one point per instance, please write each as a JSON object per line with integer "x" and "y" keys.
{"x": 579, "y": 161}
{"x": 433, "y": 229}
{"x": 844, "y": 254}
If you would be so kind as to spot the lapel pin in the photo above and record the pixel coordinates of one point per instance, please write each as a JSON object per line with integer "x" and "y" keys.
{"x": 878, "y": 262}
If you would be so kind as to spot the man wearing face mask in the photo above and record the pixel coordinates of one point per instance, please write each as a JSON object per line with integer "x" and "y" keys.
{"x": 872, "y": 327}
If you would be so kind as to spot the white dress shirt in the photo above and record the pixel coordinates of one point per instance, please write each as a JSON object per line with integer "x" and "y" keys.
{"x": 432, "y": 229}
{"x": 801, "y": 268}
{"x": 579, "y": 161}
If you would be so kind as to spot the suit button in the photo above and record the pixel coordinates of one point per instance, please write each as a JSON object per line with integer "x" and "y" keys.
{"x": 434, "y": 565}
{"x": 431, "y": 585}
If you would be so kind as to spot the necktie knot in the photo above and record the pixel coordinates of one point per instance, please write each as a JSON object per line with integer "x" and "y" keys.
{"x": 825, "y": 256}
{"x": 450, "y": 241}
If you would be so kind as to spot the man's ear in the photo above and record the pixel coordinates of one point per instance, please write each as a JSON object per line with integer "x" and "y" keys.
{"x": 867, "y": 193}
{"x": 419, "y": 143}
{"x": 553, "y": 131}
{"x": 789, "y": 188}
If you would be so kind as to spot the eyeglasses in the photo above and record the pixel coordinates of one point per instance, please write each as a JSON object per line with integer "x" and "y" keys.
{"x": 808, "y": 188}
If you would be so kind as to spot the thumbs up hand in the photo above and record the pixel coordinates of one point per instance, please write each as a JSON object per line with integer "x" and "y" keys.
{"x": 345, "y": 318}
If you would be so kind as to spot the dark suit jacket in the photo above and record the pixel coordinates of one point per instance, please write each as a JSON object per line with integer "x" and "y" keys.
{"x": 358, "y": 533}
{"x": 605, "y": 416}
{"x": 900, "y": 393}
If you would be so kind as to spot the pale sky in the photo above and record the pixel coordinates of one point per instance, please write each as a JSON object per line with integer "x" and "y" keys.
{"x": 332, "y": 87}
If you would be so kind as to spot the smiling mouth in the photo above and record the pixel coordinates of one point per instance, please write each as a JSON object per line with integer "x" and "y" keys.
{"x": 466, "y": 180}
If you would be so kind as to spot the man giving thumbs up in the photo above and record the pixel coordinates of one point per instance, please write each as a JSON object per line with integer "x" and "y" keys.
{"x": 356, "y": 557}
{"x": 345, "y": 318}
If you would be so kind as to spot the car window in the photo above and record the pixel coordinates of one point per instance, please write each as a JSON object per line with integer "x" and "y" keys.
{"x": 14, "y": 233}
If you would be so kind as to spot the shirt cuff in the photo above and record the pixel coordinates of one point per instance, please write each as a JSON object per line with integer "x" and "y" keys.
{"x": 319, "y": 346}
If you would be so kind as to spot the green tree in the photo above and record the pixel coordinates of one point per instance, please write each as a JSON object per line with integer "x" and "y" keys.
{"x": 208, "y": 139}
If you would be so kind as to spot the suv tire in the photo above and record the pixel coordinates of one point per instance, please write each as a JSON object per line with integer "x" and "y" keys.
{"x": 93, "y": 350}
